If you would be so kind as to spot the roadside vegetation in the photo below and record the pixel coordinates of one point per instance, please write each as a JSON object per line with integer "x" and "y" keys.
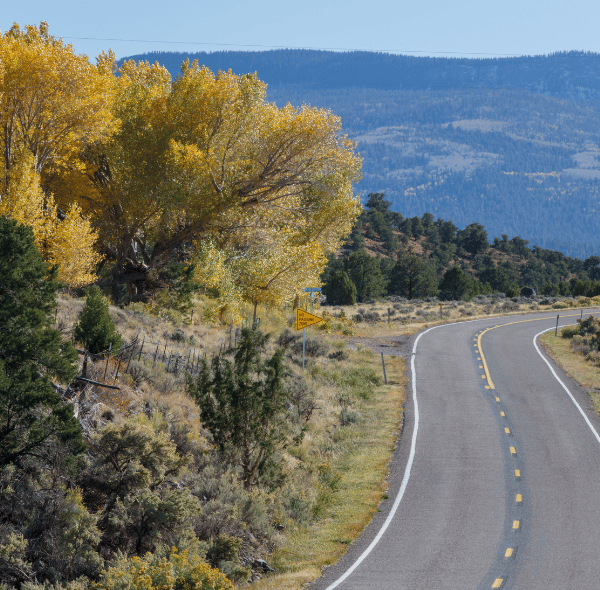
{"x": 119, "y": 465}
{"x": 577, "y": 350}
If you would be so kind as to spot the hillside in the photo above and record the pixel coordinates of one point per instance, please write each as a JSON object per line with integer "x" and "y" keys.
{"x": 512, "y": 142}
{"x": 388, "y": 254}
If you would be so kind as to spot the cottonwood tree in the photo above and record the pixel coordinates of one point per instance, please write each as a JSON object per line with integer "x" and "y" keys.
{"x": 206, "y": 157}
{"x": 66, "y": 241}
{"x": 53, "y": 103}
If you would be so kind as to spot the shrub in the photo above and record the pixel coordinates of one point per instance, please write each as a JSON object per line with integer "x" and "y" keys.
{"x": 223, "y": 554}
{"x": 569, "y": 331}
{"x": 95, "y": 326}
{"x": 510, "y": 306}
{"x": 340, "y": 290}
{"x": 179, "y": 571}
{"x": 243, "y": 403}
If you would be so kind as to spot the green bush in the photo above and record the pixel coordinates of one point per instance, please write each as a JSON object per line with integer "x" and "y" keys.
{"x": 95, "y": 328}
{"x": 340, "y": 290}
{"x": 569, "y": 331}
{"x": 243, "y": 404}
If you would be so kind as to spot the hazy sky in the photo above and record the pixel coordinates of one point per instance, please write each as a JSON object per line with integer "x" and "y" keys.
{"x": 477, "y": 28}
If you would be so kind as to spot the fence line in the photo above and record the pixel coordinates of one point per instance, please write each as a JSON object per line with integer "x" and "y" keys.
{"x": 175, "y": 358}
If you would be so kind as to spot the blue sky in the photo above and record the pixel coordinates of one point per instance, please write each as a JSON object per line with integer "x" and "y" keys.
{"x": 472, "y": 28}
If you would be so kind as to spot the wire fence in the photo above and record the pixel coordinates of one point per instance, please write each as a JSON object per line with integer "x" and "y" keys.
{"x": 173, "y": 354}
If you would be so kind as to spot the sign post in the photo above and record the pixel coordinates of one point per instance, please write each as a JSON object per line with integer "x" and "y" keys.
{"x": 305, "y": 319}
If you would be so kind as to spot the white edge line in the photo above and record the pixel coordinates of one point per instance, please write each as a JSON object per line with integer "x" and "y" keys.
{"x": 563, "y": 385}
{"x": 406, "y": 477}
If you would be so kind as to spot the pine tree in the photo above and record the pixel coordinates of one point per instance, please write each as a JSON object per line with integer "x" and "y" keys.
{"x": 32, "y": 414}
{"x": 243, "y": 404}
{"x": 455, "y": 284}
{"x": 95, "y": 328}
{"x": 340, "y": 290}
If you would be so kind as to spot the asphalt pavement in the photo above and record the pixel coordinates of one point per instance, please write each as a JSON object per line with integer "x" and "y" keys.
{"x": 495, "y": 482}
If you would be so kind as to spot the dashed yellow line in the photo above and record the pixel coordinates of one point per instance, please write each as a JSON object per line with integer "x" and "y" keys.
{"x": 507, "y": 431}
{"x": 516, "y": 525}
{"x": 509, "y": 552}
{"x": 518, "y": 473}
{"x": 503, "y": 414}
{"x": 519, "y": 499}
{"x": 497, "y": 400}
{"x": 513, "y": 451}
{"x": 498, "y": 583}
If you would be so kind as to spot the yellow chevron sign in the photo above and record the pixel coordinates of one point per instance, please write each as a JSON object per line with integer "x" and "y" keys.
{"x": 305, "y": 319}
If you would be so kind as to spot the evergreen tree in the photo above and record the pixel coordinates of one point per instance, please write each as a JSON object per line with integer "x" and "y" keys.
{"x": 455, "y": 285}
{"x": 412, "y": 277}
{"x": 378, "y": 202}
{"x": 32, "y": 414}
{"x": 364, "y": 271}
{"x": 473, "y": 239}
{"x": 243, "y": 404}
{"x": 95, "y": 328}
{"x": 340, "y": 290}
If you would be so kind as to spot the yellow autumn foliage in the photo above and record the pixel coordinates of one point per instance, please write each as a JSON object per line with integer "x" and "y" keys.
{"x": 68, "y": 243}
{"x": 52, "y": 104}
{"x": 202, "y": 166}
{"x": 206, "y": 159}
{"x": 179, "y": 571}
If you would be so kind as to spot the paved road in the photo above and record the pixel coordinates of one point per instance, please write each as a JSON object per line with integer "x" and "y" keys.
{"x": 496, "y": 480}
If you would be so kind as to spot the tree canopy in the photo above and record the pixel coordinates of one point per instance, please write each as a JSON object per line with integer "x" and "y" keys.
{"x": 133, "y": 166}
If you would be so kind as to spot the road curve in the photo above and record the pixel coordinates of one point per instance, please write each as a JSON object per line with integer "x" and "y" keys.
{"x": 496, "y": 480}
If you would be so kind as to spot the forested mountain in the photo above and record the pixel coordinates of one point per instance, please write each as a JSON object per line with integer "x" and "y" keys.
{"x": 511, "y": 142}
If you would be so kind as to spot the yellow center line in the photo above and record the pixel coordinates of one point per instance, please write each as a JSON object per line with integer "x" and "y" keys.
{"x": 516, "y": 525}
{"x": 513, "y": 451}
{"x": 519, "y": 498}
{"x": 507, "y": 430}
{"x": 518, "y": 473}
{"x": 485, "y": 367}
{"x": 508, "y": 552}
{"x": 503, "y": 414}
{"x": 498, "y": 583}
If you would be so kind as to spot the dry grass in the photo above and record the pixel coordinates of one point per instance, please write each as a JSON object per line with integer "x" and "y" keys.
{"x": 362, "y": 456}
{"x": 586, "y": 373}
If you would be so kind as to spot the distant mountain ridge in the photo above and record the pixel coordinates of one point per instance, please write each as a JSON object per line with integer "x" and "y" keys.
{"x": 511, "y": 143}
{"x": 552, "y": 75}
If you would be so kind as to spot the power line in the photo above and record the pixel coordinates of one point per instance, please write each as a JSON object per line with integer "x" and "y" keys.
{"x": 402, "y": 51}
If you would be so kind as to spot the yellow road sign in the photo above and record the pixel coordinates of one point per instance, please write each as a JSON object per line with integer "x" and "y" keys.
{"x": 305, "y": 319}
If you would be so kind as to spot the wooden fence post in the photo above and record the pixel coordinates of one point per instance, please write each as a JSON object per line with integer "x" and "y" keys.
{"x": 142, "y": 347}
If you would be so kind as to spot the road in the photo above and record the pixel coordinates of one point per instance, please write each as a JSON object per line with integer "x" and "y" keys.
{"x": 496, "y": 480}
